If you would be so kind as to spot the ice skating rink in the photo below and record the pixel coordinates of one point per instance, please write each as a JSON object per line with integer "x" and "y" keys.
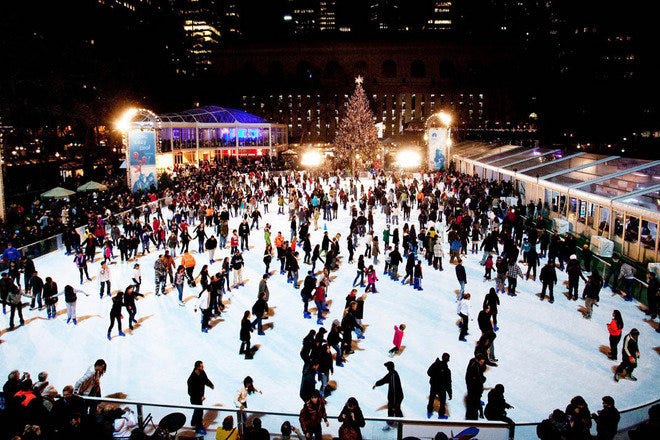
{"x": 547, "y": 353}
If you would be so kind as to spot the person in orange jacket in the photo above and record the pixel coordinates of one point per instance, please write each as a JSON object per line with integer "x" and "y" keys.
{"x": 188, "y": 261}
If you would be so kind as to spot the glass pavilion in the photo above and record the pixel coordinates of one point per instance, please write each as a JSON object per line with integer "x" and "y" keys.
{"x": 209, "y": 133}
{"x": 612, "y": 196}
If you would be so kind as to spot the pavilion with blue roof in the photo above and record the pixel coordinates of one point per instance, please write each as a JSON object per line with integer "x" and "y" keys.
{"x": 211, "y": 132}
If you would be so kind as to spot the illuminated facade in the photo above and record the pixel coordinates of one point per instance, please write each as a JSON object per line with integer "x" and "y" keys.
{"x": 211, "y": 133}
{"x": 201, "y": 26}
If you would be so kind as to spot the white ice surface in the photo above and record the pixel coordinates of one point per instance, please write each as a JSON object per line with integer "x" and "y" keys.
{"x": 547, "y": 353}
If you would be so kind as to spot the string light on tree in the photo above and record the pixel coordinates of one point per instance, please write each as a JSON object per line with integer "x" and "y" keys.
{"x": 356, "y": 140}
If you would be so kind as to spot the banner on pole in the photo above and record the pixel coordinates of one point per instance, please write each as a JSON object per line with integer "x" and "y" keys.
{"x": 437, "y": 153}
{"x": 142, "y": 160}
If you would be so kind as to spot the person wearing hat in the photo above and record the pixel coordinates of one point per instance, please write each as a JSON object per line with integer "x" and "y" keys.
{"x": 394, "y": 393}
{"x": 629, "y": 356}
{"x": 574, "y": 272}
{"x": 586, "y": 257}
{"x": 613, "y": 272}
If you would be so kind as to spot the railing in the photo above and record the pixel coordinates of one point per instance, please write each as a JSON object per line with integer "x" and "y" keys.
{"x": 272, "y": 421}
{"x": 419, "y": 428}
{"x": 55, "y": 242}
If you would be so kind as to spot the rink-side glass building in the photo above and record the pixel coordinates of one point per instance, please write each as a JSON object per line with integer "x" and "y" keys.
{"x": 612, "y": 197}
{"x": 210, "y": 133}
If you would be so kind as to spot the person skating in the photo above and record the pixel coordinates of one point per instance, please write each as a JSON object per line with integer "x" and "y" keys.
{"x": 497, "y": 406}
{"x": 461, "y": 277}
{"x": 615, "y": 328}
{"x": 115, "y": 313}
{"x": 464, "y": 313}
{"x": 474, "y": 380}
{"x": 440, "y": 382}
{"x": 259, "y": 308}
{"x": 548, "y": 277}
{"x": 244, "y": 335}
{"x": 70, "y": 299}
{"x": 574, "y": 271}
{"x": 394, "y": 393}
{"x": 130, "y": 296}
{"x": 629, "y": 356}
{"x": 396, "y": 340}
{"x": 197, "y": 383}
{"x": 591, "y": 293}
{"x": 492, "y": 301}
{"x": 104, "y": 279}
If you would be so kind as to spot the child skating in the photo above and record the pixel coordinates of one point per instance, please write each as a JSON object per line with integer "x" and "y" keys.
{"x": 398, "y": 337}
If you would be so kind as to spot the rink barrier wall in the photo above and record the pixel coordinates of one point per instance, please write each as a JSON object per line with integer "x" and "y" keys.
{"x": 417, "y": 428}
{"x": 55, "y": 242}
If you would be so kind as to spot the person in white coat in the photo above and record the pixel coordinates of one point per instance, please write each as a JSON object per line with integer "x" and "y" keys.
{"x": 464, "y": 313}
{"x": 204, "y": 305}
{"x": 104, "y": 279}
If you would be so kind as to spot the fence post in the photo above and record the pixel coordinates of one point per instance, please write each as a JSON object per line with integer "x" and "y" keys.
{"x": 140, "y": 418}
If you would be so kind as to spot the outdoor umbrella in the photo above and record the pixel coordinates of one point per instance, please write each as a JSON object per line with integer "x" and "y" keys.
{"x": 58, "y": 193}
{"x": 92, "y": 186}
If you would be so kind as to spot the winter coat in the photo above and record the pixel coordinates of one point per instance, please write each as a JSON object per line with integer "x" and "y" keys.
{"x": 394, "y": 390}
{"x": 398, "y": 336}
{"x": 440, "y": 376}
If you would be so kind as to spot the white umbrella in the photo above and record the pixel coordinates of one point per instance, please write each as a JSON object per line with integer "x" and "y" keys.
{"x": 92, "y": 186}
{"x": 58, "y": 193}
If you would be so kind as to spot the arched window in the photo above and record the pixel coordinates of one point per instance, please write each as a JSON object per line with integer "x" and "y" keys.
{"x": 417, "y": 69}
{"x": 360, "y": 68}
{"x": 304, "y": 71}
{"x": 333, "y": 69}
{"x": 388, "y": 70}
{"x": 447, "y": 70}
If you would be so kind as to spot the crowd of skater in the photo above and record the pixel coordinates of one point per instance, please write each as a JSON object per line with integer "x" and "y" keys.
{"x": 444, "y": 214}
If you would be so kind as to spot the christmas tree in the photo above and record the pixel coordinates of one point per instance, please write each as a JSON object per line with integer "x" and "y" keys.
{"x": 356, "y": 142}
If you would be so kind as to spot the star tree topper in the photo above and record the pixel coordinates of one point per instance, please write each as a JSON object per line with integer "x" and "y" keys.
{"x": 359, "y": 80}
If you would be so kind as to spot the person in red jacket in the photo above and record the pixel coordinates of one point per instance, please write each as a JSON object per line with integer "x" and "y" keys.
{"x": 319, "y": 300}
{"x": 398, "y": 337}
{"x": 614, "y": 328}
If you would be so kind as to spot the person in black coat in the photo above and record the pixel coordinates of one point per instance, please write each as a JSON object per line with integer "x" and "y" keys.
{"x": 440, "y": 381}
{"x": 607, "y": 420}
{"x": 351, "y": 415}
{"x": 245, "y": 333}
{"x": 308, "y": 380}
{"x": 394, "y": 392}
{"x": 259, "y": 308}
{"x": 497, "y": 406}
{"x": 549, "y": 279}
{"x": 410, "y": 267}
{"x": 115, "y": 313}
{"x": 309, "y": 286}
{"x": 308, "y": 344}
{"x": 474, "y": 379}
{"x": 197, "y": 381}
{"x": 574, "y": 271}
{"x": 492, "y": 300}
{"x": 532, "y": 262}
{"x": 395, "y": 260}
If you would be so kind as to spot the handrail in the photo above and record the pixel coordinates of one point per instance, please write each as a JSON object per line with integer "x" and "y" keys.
{"x": 401, "y": 421}
{"x": 294, "y": 416}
